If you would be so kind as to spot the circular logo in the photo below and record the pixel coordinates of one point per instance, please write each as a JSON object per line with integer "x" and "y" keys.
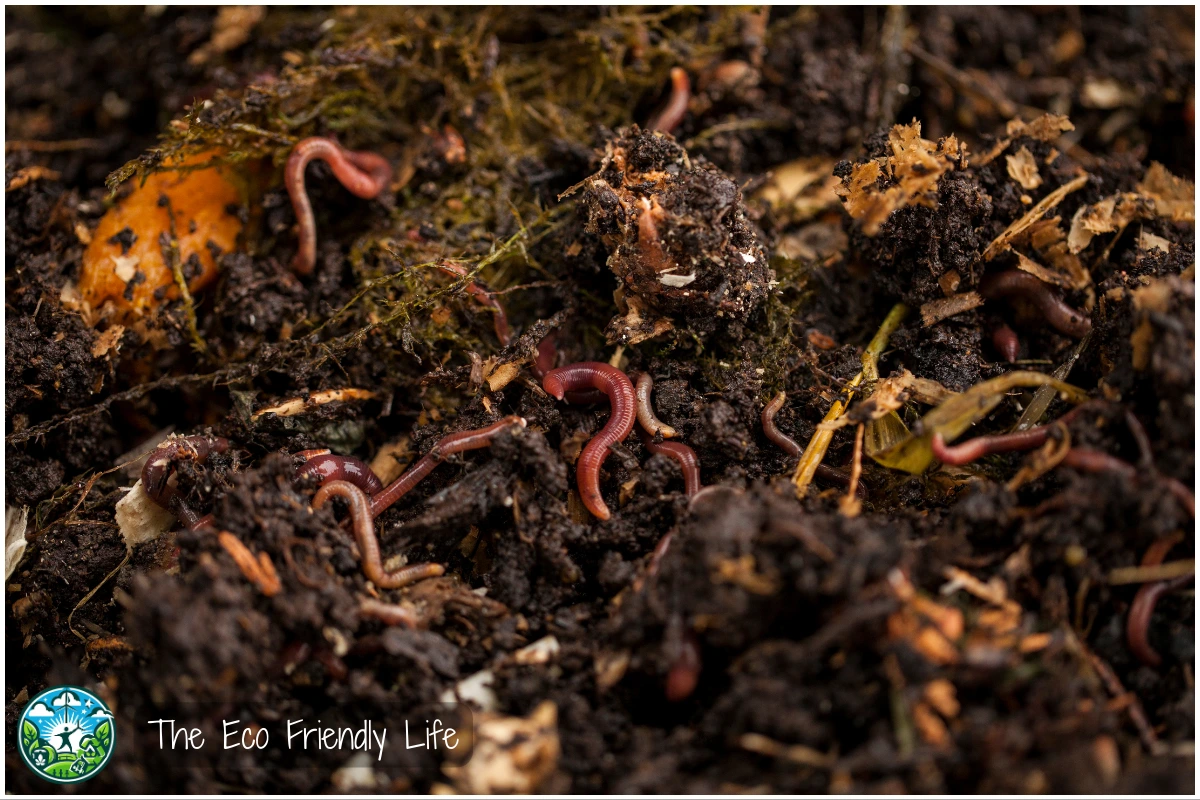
{"x": 66, "y": 734}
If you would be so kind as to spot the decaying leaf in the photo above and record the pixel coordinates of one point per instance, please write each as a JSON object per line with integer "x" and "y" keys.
{"x": 1153, "y": 299}
{"x": 1027, "y": 264}
{"x": 959, "y": 412}
{"x": 109, "y": 341}
{"x": 914, "y": 169}
{"x": 231, "y": 29}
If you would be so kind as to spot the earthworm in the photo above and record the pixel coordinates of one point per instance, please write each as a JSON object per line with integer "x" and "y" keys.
{"x": 1145, "y": 453}
{"x": 649, "y": 244}
{"x": 682, "y": 454}
{"x": 200, "y": 523}
{"x": 667, "y": 119}
{"x": 685, "y": 671}
{"x": 364, "y": 174}
{"x": 446, "y": 446}
{"x": 1006, "y": 342}
{"x": 160, "y": 464}
{"x": 614, "y": 383}
{"x": 825, "y": 473}
{"x": 336, "y": 668}
{"x": 258, "y": 570}
{"x": 645, "y": 410}
{"x": 1085, "y": 459}
{"x": 387, "y": 613}
{"x": 289, "y": 558}
{"x": 1014, "y": 282}
{"x": 485, "y": 298}
{"x": 660, "y": 552}
{"x": 368, "y": 542}
{"x": 328, "y": 467}
{"x": 547, "y": 355}
{"x": 981, "y": 446}
{"x": 1142, "y": 609}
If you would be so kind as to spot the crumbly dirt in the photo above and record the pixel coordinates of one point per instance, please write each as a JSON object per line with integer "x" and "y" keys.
{"x": 959, "y": 632}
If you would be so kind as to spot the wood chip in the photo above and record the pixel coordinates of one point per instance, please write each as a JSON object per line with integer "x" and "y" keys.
{"x": 1003, "y": 241}
{"x": 299, "y": 405}
{"x": 28, "y": 175}
{"x": 935, "y": 311}
{"x": 1022, "y": 168}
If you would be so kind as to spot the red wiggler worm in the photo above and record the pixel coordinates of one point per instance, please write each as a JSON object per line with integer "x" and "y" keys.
{"x": 1142, "y": 609}
{"x": 327, "y": 467}
{"x": 645, "y": 410}
{"x": 547, "y": 355}
{"x": 387, "y": 613}
{"x": 1007, "y": 343}
{"x": 499, "y": 318}
{"x": 1016, "y": 283}
{"x": 685, "y": 671}
{"x": 368, "y": 543}
{"x": 673, "y": 112}
{"x": 682, "y": 454}
{"x": 156, "y": 472}
{"x": 981, "y": 446}
{"x": 446, "y": 446}
{"x": 364, "y": 174}
{"x": 615, "y": 384}
{"x": 825, "y": 473}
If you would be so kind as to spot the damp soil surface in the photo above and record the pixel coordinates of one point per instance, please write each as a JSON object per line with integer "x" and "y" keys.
{"x": 947, "y": 223}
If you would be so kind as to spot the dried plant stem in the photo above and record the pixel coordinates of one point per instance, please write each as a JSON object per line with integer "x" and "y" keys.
{"x": 819, "y": 443}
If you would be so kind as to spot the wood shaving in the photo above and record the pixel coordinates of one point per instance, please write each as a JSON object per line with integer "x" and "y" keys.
{"x": 140, "y": 519}
{"x": 231, "y": 29}
{"x": 1004, "y": 240}
{"x": 511, "y": 754}
{"x": 16, "y": 522}
{"x": 1022, "y": 168}
{"x": 1148, "y": 241}
{"x": 299, "y": 405}
{"x": 915, "y": 168}
{"x": 1174, "y": 198}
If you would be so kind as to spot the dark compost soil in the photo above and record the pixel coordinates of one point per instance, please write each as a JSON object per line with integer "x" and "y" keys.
{"x": 959, "y": 631}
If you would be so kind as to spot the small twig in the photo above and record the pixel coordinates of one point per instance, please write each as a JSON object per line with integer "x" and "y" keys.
{"x": 1136, "y": 713}
{"x": 34, "y": 146}
{"x": 1146, "y": 574}
{"x": 850, "y": 505}
{"x": 170, "y": 253}
{"x": 89, "y": 595}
